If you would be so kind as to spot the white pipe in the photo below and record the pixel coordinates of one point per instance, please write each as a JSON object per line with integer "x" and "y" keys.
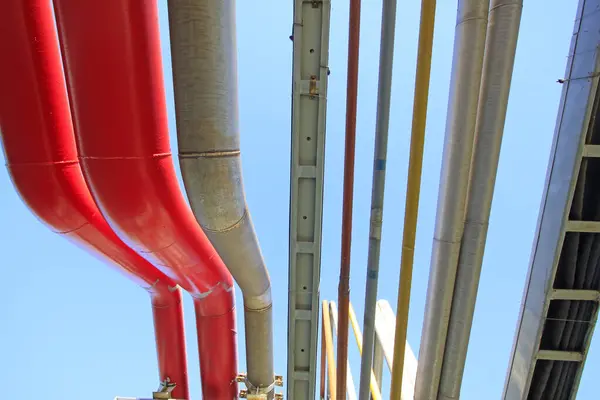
{"x": 469, "y": 43}
{"x": 385, "y": 328}
{"x": 378, "y": 361}
{"x": 500, "y": 48}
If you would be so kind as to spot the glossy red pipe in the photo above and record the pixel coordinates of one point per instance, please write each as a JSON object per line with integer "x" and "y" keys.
{"x": 112, "y": 56}
{"x": 41, "y": 155}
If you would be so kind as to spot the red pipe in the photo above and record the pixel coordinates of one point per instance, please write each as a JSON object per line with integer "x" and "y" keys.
{"x": 113, "y": 61}
{"x": 37, "y": 134}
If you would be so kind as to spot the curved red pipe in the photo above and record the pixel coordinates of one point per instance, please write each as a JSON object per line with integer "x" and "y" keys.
{"x": 37, "y": 133}
{"x": 111, "y": 51}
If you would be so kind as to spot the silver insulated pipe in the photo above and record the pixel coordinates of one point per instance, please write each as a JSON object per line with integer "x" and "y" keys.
{"x": 204, "y": 58}
{"x": 469, "y": 43}
{"x": 500, "y": 48}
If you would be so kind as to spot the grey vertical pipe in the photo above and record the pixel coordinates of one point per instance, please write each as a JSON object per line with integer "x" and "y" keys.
{"x": 204, "y": 57}
{"x": 469, "y": 43}
{"x": 386, "y": 61}
{"x": 500, "y": 48}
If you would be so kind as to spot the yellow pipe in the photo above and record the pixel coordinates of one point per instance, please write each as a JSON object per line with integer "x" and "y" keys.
{"x": 329, "y": 346}
{"x": 411, "y": 210}
{"x": 323, "y": 363}
{"x": 375, "y": 392}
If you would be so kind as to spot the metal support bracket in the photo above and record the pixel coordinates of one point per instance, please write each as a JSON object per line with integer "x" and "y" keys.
{"x": 259, "y": 393}
{"x": 164, "y": 391}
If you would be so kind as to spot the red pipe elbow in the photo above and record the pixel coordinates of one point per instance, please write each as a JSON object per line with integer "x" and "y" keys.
{"x": 114, "y": 73}
{"x": 41, "y": 154}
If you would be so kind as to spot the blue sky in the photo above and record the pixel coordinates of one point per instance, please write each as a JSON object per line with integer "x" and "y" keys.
{"x": 74, "y": 327}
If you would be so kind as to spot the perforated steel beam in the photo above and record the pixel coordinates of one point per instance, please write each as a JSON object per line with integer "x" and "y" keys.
{"x": 309, "y": 101}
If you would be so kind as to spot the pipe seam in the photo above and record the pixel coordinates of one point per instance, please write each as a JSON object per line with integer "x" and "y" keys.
{"x": 151, "y": 157}
{"x": 233, "y": 226}
{"x": 210, "y": 154}
{"x": 517, "y": 3}
{"x": 42, "y": 163}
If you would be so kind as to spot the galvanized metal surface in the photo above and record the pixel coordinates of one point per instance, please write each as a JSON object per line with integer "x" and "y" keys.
{"x": 465, "y": 82}
{"x": 206, "y": 106}
{"x": 580, "y": 91}
{"x": 500, "y": 48}
{"x": 309, "y": 105}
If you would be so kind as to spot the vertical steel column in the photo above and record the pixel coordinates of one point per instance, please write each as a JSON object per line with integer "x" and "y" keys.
{"x": 309, "y": 108}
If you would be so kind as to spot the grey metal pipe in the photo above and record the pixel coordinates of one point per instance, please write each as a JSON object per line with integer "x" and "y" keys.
{"x": 500, "y": 48}
{"x": 469, "y": 43}
{"x": 204, "y": 58}
{"x": 386, "y": 61}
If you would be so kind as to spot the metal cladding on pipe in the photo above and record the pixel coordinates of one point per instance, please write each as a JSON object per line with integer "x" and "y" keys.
{"x": 500, "y": 48}
{"x": 384, "y": 94}
{"x": 41, "y": 155}
{"x": 348, "y": 196}
{"x": 112, "y": 57}
{"x": 203, "y": 53}
{"x": 465, "y": 82}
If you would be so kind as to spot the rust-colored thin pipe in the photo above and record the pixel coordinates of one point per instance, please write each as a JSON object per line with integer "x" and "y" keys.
{"x": 344, "y": 285}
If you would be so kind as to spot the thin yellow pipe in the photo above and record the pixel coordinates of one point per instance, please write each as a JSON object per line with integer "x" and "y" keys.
{"x": 413, "y": 187}
{"x": 375, "y": 392}
{"x": 323, "y": 364}
{"x": 329, "y": 348}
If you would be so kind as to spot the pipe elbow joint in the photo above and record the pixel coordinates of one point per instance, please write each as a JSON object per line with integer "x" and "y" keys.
{"x": 260, "y": 303}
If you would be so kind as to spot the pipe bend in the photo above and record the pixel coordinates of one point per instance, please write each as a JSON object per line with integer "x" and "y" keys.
{"x": 36, "y": 132}
{"x": 114, "y": 68}
{"x": 203, "y": 54}
{"x": 259, "y": 303}
{"x": 215, "y": 191}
